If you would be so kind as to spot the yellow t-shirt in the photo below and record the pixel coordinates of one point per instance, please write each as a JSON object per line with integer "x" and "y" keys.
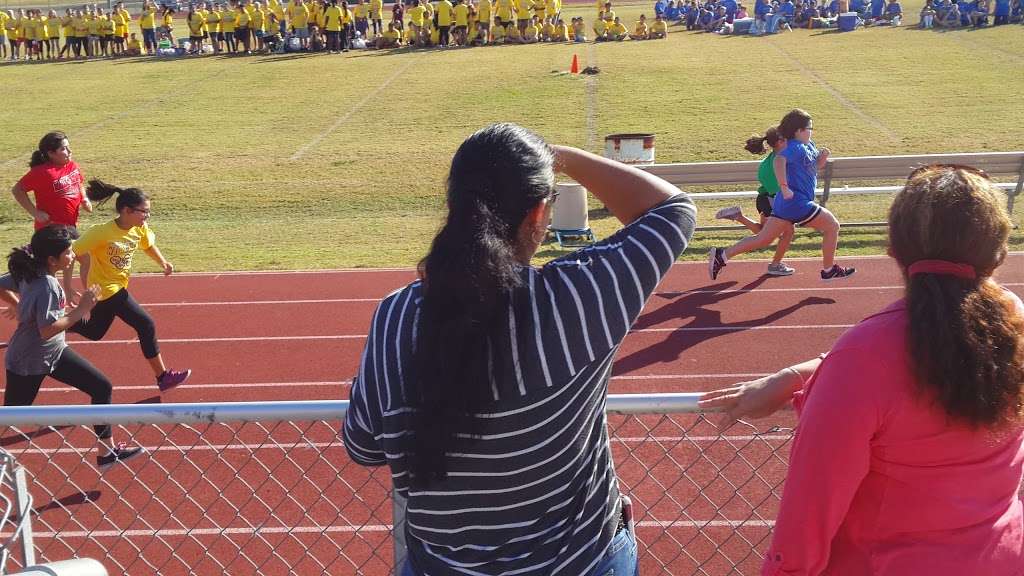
{"x": 498, "y": 33}
{"x": 213, "y": 19}
{"x": 257, "y": 18}
{"x": 241, "y": 18}
{"x": 147, "y": 20}
{"x": 333, "y": 19}
{"x": 640, "y": 29}
{"x": 461, "y": 12}
{"x": 410, "y": 36}
{"x": 659, "y": 27}
{"x": 362, "y": 11}
{"x": 227, "y": 22}
{"x": 169, "y": 20}
{"x": 600, "y": 27}
{"x": 124, "y": 18}
{"x": 392, "y": 35}
{"x": 435, "y": 36}
{"x": 540, "y": 9}
{"x": 512, "y": 32}
{"x": 81, "y": 27}
{"x": 561, "y": 33}
{"x": 416, "y": 15}
{"x": 107, "y": 27}
{"x": 111, "y": 250}
{"x": 503, "y": 9}
{"x": 299, "y": 16}
{"x": 94, "y": 26}
{"x": 135, "y": 45}
{"x": 530, "y": 33}
{"x": 547, "y": 30}
{"x": 196, "y": 23}
{"x": 68, "y": 24}
{"x": 617, "y": 29}
{"x": 376, "y": 9}
{"x": 483, "y": 11}
{"x": 444, "y": 13}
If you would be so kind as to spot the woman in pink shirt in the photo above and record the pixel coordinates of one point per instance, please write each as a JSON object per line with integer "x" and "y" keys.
{"x": 908, "y": 458}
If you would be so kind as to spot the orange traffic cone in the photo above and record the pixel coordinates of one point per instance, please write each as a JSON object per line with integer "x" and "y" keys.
{"x": 575, "y": 68}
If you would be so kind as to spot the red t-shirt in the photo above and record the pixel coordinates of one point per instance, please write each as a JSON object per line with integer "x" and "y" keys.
{"x": 58, "y": 191}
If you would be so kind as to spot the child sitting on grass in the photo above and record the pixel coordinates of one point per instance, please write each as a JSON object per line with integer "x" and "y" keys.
{"x": 618, "y": 31}
{"x": 640, "y": 31}
{"x": 659, "y": 29}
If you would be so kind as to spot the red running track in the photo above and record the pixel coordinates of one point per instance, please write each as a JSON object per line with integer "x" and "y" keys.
{"x": 298, "y": 336}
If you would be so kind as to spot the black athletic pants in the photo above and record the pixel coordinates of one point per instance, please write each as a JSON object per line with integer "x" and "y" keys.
{"x": 123, "y": 306}
{"x": 71, "y": 369}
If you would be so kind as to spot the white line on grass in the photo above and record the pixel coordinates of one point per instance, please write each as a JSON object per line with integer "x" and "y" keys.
{"x": 590, "y": 104}
{"x": 842, "y": 99}
{"x": 351, "y": 111}
{"x": 193, "y": 532}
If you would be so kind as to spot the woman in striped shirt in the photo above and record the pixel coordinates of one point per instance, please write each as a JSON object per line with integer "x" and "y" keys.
{"x": 483, "y": 384}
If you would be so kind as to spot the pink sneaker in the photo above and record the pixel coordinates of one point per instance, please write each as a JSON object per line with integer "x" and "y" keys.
{"x": 172, "y": 379}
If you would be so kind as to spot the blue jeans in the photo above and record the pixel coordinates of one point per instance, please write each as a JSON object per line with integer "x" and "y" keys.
{"x": 619, "y": 560}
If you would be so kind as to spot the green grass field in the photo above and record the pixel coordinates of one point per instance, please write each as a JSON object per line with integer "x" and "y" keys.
{"x": 308, "y": 161}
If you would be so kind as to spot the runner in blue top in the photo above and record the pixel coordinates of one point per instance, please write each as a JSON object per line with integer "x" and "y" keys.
{"x": 769, "y": 187}
{"x": 796, "y": 168}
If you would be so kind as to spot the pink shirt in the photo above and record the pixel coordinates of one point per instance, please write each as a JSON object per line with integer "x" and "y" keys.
{"x": 881, "y": 484}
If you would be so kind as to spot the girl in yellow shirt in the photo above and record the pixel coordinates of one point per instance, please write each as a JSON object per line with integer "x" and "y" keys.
{"x": 105, "y": 253}
{"x": 4, "y": 18}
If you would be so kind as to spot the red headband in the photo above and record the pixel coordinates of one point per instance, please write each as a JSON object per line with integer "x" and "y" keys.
{"x": 965, "y": 271}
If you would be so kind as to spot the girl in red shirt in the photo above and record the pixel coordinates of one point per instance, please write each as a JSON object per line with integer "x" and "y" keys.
{"x": 56, "y": 182}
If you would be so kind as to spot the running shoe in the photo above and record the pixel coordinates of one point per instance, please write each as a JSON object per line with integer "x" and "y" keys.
{"x": 837, "y": 272}
{"x": 172, "y": 379}
{"x": 730, "y": 213}
{"x": 716, "y": 261}
{"x": 780, "y": 269}
{"x": 119, "y": 454}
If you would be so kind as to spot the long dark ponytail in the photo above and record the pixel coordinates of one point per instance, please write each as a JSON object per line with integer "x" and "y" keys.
{"x": 99, "y": 191}
{"x": 755, "y": 144}
{"x": 966, "y": 340}
{"x": 30, "y": 262}
{"x": 497, "y": 176}
{"x": 52, "y": 141}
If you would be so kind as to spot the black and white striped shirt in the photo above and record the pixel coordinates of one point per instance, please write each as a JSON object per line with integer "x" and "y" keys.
{"x": 533, "y": 491}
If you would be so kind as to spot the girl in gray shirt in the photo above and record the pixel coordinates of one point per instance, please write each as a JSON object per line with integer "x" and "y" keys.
{"x": 37, "y": 348}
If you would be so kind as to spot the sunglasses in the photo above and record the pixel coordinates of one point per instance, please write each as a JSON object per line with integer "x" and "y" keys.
{"x": 942, "y": 167}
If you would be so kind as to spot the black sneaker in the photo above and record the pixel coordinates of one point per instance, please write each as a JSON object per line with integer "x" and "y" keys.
{"x": 837, "y": 272}
{"x": 716, "y": 261}
{"x": 119, "y": 454}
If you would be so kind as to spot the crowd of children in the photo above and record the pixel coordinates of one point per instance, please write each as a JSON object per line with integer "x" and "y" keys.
{"x": 770, "y": 16}
{"x": 247, "y": 26}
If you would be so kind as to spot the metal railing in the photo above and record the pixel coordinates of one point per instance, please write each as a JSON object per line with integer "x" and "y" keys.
{"x": 268, "y": 488}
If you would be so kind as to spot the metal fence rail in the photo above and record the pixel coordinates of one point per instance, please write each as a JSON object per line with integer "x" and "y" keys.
{"x": 247, "y": 488}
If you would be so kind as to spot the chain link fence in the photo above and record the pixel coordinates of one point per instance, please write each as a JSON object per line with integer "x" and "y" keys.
{"x": 267, "y": 488}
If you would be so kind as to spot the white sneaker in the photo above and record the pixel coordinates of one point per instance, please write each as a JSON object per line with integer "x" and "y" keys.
{"x": 730, "y": 213}
{"x": 780, "y": 269}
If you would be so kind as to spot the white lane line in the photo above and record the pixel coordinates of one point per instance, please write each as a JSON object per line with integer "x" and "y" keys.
{"x": 702, "y": 264}
{"x": 330, "y": 337}
{"x": 351, "y": 111}
{"x": 194, "y": 532}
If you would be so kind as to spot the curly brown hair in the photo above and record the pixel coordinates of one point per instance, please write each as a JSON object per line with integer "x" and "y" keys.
{"x": 965, "y": 336}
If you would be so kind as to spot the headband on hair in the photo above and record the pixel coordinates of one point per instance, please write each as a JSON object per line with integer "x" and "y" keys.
{"x": 943, "y": 267}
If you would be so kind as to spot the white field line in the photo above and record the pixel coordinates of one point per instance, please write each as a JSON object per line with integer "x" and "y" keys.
{"x": 835, "y": 93}
{"x": 285, "y": 446}
{"x": 351, "y": 111}
{"x": 62, "y": 389}
{"x": 194, "y": 532}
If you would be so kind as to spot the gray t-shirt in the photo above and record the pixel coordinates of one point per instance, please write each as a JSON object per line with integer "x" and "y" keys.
{"x": 41, "y": 304}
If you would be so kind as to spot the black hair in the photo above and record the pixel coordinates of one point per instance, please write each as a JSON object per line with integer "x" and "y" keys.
{"x": 755, "y": 144}
{"x": 792, "y": 122}
{"x": 497, "y": 176}
{"x": 49, "y": 143}
{"x": 99, "y": 191}
{"x": 30, "y": 262}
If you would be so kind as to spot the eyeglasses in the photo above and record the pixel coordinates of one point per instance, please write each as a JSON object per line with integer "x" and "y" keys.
{"x": 938, "y": 167}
